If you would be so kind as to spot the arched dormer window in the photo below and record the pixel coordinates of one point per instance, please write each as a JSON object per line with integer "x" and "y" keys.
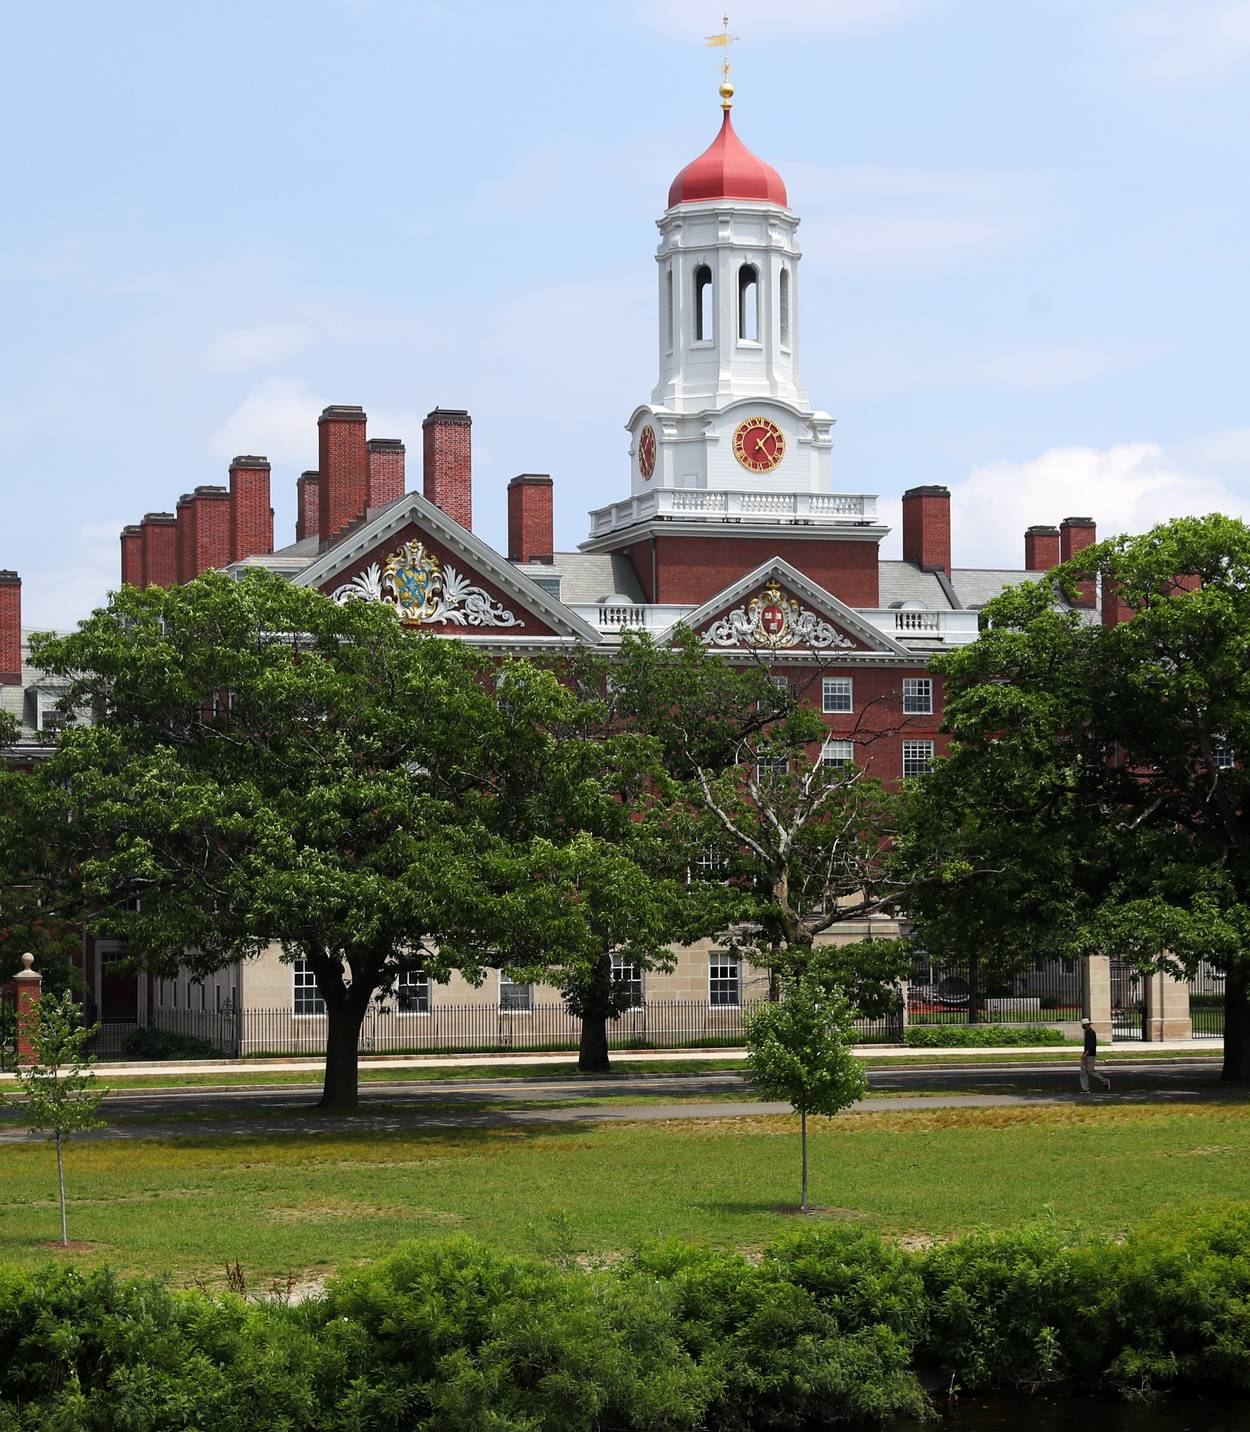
{"x": 702, "y": 303}
{"x": 749, "y": 303}
{"x": 783, "y": 307}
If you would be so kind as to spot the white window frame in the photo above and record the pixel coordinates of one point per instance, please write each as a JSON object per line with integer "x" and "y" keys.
{"x": 506, "y": 983}
{"x": 917, "y": 696}
{"x": 719, "y": 962}
{"x": 916, "y": 752}
{"x": 771, "y": 765}
{"x": 303, "y": 981}
{"x": 626, "y": 972}
{"x": 831, "y": 687}
{"x": 1222, "y": 757}
{"x": 47, "y": 717}
{"x": 843, "y": 757}
{"x": 418, "y": 982}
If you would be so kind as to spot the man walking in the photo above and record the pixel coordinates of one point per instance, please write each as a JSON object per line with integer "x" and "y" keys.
{"x": 1089, "y": 1060}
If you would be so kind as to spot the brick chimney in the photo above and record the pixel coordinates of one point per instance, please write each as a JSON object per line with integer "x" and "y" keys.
{"x": 530, "y": 525}
{"x": 1041, "y": 548}
{"x": 1114, "y": 608}
{"x": 132, "y": 555}
{"x": 203, "y": 531}
{"x": 158, "y": 549}
{"x": 1075, "y": 534}
{"x": 386, "y": 470}
{"x": 927, "y": 528}
{"x": 343, "y": 492}
{"x": 448, "y": 463}
{"x": 307, "y": 505}
{"x": 186, "y": 538}
{"x": 10, "y": 629}
{"x": 251, "y": 517}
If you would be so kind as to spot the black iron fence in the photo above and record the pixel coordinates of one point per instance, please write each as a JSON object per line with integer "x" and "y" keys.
{"x": 450, "y": 1028}
{"x": 1206, "y": 1003}
{"x": 1048, "y": 992}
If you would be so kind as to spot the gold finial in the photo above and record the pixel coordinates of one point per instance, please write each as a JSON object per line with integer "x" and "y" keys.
{"x": 723, "y": 42}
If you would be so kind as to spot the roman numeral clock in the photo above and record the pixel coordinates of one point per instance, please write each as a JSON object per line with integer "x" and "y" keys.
{"x": 759, "y": 445}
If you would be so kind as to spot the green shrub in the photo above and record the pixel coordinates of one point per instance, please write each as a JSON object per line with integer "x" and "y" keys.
{"x": 972, "y": 1036}
{"x": 149, "y": 1042}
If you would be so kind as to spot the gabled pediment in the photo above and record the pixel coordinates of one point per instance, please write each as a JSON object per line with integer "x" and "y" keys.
{"x": 776, "y": 608}
{"x": 440, "y": 577}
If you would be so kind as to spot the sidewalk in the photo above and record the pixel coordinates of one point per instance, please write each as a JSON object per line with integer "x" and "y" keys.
{"x": 1213, "y": 1047}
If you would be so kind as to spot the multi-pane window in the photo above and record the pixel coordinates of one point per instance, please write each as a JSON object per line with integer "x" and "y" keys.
{"x": 307, "y": 1000}
{"x": 917, "y": 758}
{"x": 515, "y": 998}
{"x": 1222, "y": 754}
{"x": 724, "y": 978}
{"x": 835, "y": 694}
{"x": 710, "y": 865}
{"x": 769, "y": 765}
{"x": 837, "y": 753}
{"x": 49, "y": 714}
{"x": 627, "y": 978}
{"x": 918, "y": 695}
{"x": 412, "y": 992}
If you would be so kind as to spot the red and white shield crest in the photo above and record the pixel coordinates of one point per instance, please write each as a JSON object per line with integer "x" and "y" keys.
{"x": 772, "y": 620}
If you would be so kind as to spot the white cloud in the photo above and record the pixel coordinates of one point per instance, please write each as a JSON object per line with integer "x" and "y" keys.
{"x": 1125, "y": 488}
{"x": 238, "y": 350}
{"x": 779, "y": 17}
{"x": 277, "y": 418}
{"x": 1187, "y": 41}
{"x": 56, "y": 598}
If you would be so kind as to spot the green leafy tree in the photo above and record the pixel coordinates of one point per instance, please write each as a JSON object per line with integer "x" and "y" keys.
{"x": 60, "y": 1093}
{"x": 804, "y": 840}
{"x": 1102, "y": 773}
{"x": 799, "y": 1050}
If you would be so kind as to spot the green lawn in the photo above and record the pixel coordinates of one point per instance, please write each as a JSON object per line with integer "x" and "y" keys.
{"x": 308, "y": 1204}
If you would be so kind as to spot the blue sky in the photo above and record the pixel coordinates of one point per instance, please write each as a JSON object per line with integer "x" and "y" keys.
{"x": 1026, "y": 230}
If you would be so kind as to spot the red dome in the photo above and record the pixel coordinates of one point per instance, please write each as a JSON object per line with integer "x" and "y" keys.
{"x": 727, "y": 170}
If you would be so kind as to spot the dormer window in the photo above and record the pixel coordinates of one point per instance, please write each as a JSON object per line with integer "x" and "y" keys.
{"x": 703, "y": 304}
{"x": 748, "y": 304}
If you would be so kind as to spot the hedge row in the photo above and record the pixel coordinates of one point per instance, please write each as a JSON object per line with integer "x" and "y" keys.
{"x": 984, "y": 1036}
{"x": 831, "y": 1325}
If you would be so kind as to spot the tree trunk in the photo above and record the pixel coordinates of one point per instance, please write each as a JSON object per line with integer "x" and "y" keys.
{"x": 1236, "y": 1029}
{"x": 339, "y": 1093}
{"x": 803, "y": 1136}
{"x": 592, "y": 1054}
{"x": 60, "y": 1181}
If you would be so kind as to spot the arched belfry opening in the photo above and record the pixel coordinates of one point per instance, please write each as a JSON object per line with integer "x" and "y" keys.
{"x": 703, "y": 321}
{"x": 748, "y": 304}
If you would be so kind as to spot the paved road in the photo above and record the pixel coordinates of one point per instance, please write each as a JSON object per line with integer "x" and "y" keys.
{"x": 455, "y": 1104}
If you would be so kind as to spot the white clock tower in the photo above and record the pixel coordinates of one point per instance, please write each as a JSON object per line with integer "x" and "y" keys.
{"x": 730, "y": 434}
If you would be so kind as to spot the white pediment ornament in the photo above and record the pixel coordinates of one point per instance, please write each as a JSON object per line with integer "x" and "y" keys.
{"x": 777, "y": 621}
{"x": 423, "y": 591}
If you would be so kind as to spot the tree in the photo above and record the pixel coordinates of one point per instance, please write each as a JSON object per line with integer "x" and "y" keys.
{"x": 1109, "y": 766}
{"x": 744, "y": 759}
{"x": 268, "y": 765}
{"x": 61, "y": 1095}
{"x": 799, "y": 1050}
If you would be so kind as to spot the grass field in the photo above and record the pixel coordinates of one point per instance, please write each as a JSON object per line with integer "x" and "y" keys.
{"x": 308, "y": 1204}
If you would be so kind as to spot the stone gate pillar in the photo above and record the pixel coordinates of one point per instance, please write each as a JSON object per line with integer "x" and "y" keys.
{"x": 1167, "y": 1008}
{"x": 1096, "y": 994}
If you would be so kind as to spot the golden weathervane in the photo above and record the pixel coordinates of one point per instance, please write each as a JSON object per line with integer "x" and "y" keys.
{"x": 723, "y": 42}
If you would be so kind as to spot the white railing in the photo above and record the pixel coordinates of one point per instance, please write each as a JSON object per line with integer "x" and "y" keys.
{"x": 902, "y": 623}
{"x": 699, "y": 502}
{"x": 622, "y": 616}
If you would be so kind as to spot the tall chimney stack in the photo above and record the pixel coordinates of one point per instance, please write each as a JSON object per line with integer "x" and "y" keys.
{"x": 448, "y": 463}
{"x": 10, "y": 629}
{"x": 158, "y": 539}
{"x": 386, "y": 470}
{"x": 530, "y": 522}
{"x": 186, "y": 515}
{"x": 1041, "y": 548}
{"x": 251, "y": 517}
{"x": 343, "y": 462}
{"x": 1075, "y": 534}
{"x": 927, "y": 528}
{"x": 132, "y": 555}
{"x": 307, "y": 505}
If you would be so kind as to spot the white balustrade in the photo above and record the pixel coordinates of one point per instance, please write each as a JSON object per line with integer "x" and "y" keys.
{"x": 821, "y": 508}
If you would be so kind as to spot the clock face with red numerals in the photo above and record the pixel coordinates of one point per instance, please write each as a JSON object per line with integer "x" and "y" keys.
{"x": 759, "y": 445}
{"x": 646, "y": 451}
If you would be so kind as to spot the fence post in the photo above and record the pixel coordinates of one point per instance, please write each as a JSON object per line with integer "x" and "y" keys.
{"x": 1167, "y": 1008}
{"x": 1096, "y": 994}
{"x": 27, "y": 987}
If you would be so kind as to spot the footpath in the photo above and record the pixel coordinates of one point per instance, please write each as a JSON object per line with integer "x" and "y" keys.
{"x": 509, "y": 1060}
